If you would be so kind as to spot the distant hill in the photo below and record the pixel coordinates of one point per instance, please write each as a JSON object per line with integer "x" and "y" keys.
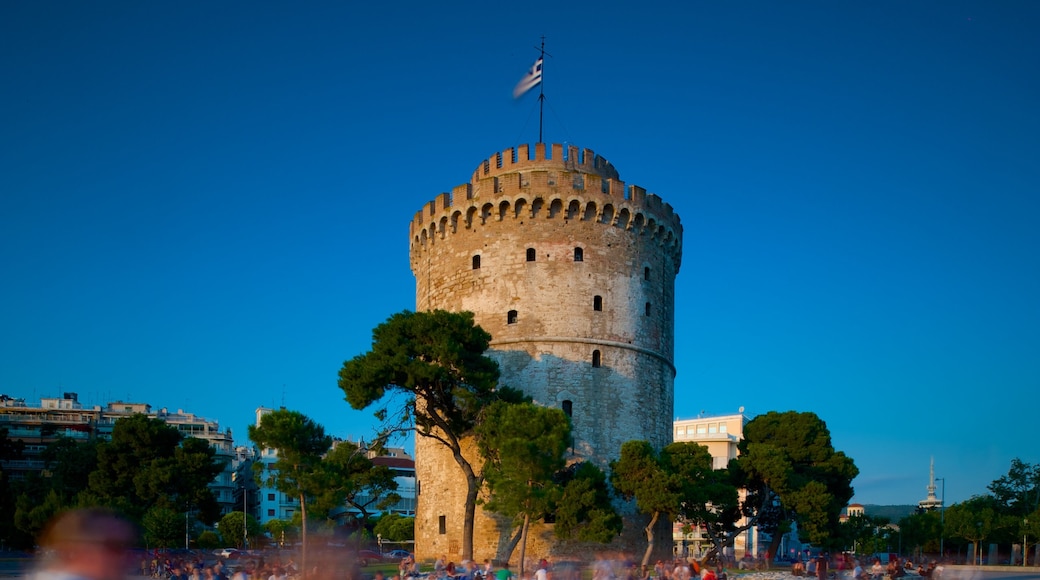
{"x": 894, "y": 513}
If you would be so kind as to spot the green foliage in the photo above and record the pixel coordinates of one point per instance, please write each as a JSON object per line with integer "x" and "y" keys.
{"x": 231, "y": 528}
{"x": 163, "y": 527}
{"x": 789, "y": 458}
{"x": 524, "y": 445}
{"x": 638, "y": 474}
{"x": 921, "y": 531}
{"x": 437, "y": 357}
{"x": 146, "y": 465}
{"x": 70, "y": 464}
{"x": 678, "y": 481}
{"x": 584, "y": 509}
{"x": 32, "y": 513}
{"x": 1018, "y": 493}
{"x": 868, "y": 534}
{"x": 209, "y": 540}
{"x": 395, "y": 528}
{"x": 282, "y": 531}
{"x": 347, "y": 475}
{"x": 300, "y": 444}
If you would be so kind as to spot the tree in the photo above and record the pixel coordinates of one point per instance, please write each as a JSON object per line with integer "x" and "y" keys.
{"x": 163, "y": 527}
{"x": 789, "y": 469}
{"x": 233, "y": 528}
{"x": 862, "y": 534}
{"x": 436, "y": 359}
{"x": 347, "y": 475}
{"x": 973, "y": 520}
{"x": 920, "y": 531}
{"x": 1018, "y": 492}
{"x": 147, "y": 463}
{"x": 70, "y": 464}
{"x": 281, "y": 529}
{"x": 9, "y": 449}
{"x": 665, "y": 484}
{"x": 395, "y": 528}
{"x": 300, "y": 444}
{"x": 209, "y": 540}
{"x": 584, "y": 509}
{"x": 524, "y": 445}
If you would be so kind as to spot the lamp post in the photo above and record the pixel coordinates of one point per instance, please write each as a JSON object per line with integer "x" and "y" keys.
{"x": 1025, "y": 547}
{"x": 942, "y": 517}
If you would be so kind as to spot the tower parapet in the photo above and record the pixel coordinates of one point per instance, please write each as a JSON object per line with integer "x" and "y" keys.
{"x": 569, "y": 184}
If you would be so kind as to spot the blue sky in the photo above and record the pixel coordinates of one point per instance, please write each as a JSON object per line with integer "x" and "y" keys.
{"x": 205, "y": 205}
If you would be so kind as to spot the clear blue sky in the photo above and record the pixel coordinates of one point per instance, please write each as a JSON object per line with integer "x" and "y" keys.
{"x": 205, "y": 205}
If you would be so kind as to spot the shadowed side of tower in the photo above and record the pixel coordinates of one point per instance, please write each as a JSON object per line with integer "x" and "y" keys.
{"x": 573, "y": 274}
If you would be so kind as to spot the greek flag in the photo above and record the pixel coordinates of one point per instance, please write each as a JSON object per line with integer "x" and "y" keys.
{"x": 530, "y": 80}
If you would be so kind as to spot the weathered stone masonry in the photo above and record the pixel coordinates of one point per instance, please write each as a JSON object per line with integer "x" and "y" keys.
{"x": 573, "y": 274}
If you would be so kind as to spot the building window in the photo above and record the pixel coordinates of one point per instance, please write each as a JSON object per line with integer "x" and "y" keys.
{"x": 530, "y": 254}
{"x": 579, "y": 254}
{"x": 597, "y": 359}
{"x": 270, "y": 497}
{"x": 722, "y": 427}
{"x": 511, "y": 317}
{"x": 647, "y": 309}
{"x": 567, "y": 407}
{"x": 442, "y": 524}
{"x": 270, "y": 512}
{"x": 597, "y": 303}
{"x": 646, "y": 272}
{"x": 476, "y": 262}
{"x": 713, "y": 428}
{"x": 702, "y": 430}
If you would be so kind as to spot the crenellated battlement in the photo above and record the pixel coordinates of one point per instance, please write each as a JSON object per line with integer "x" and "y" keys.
{"x": 561, "y": 158}
{"x": 569, "y": 184}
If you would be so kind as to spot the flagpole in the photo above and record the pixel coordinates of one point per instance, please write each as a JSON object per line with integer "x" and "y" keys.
{"x": 541, "y": 93}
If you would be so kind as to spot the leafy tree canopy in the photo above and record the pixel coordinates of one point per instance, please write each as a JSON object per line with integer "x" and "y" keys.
{"x": 665, "y": 484}
{"x": 788, "y": 459}
{"x": 145, "y": 464}
{"x": 584, "y": 509}
{"x": 435, "y": 361}
{"x": 395, "y": 528}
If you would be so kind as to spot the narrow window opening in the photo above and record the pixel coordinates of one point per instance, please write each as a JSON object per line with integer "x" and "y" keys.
{"x": 531, "y": 254}
{"x": 648, "y": 309}
{"x": 597, "y": 359}
{"x": 511, "y": 316}
{"x": 579, "y": 255}
{"x": 646, "y": 273}
{"x": 442, "y": 524}
{"x": 568, "y": 408}
{"x": 476, "y": 262}
{"x": 597, "y": 303}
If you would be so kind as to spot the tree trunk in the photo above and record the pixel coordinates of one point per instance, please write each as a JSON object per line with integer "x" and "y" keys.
{"x": 649, "y": 538}
{"x": 523, "y": 543}
{"x": 472, "y": 488}
{"x": 505, "y": 552}
{"x": 774, "y": 543}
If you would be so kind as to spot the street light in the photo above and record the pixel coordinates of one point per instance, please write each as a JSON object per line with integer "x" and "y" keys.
{"x": 942, "y": 517}
{"x": 1025, "y": 553}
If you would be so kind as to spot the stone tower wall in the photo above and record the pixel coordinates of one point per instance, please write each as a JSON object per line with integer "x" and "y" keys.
{"x": 573, "y": 274}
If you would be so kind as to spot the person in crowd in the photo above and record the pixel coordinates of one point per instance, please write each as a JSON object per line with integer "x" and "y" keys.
{"x": 86, "y": 544}
{"x": 503, "y": 572}
{"x": 822, "y": 564}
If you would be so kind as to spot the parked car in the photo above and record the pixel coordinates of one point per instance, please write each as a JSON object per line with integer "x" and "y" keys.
{"x": 366, "y": 557}
{"x": 398, "y": 554}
